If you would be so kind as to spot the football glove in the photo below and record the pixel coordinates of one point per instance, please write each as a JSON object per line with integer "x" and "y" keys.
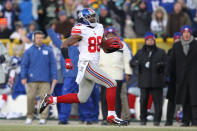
{"x": 68, "y": 64}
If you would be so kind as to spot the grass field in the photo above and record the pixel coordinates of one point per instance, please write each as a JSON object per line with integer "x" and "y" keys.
{"x": 15, "y": 125}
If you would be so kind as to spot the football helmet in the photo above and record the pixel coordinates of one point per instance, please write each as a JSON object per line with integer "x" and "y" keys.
{"x": 85, "y": 15}
{"x": 110, "y": 30}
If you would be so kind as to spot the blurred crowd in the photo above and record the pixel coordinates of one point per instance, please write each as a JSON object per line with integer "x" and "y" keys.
{"x": 132, "y": 18}
{"x": 19, "y": 19}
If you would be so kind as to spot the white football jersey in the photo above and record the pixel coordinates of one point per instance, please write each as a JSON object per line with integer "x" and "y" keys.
{"x": 89, "y": 46}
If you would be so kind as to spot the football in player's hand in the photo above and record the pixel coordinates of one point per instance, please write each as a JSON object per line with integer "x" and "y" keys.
{"x": 112, "y": 44}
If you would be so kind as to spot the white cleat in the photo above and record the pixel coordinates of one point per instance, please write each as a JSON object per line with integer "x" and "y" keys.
{"x": 42, "y": 122}
{"x": 28, "y": 121}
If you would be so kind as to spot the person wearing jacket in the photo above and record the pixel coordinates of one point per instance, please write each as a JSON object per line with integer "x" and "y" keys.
{"x": 38, "y": 69}
{"x": 141, "y": 19}
{"x": 116, "y": 64}
{"x": 176, "y": 20}
{"x": 184, "y": 65}
{"x": 150, "y": 61}
{"x": 159, "y": 22}
{"x": 171, "y": 86}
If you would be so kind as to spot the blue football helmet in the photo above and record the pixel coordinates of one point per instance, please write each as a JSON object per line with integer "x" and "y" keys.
{"x": 85, "y": 14}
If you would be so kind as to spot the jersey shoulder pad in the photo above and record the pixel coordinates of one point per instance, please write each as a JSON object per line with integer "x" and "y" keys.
{"x": 76, "y": 30}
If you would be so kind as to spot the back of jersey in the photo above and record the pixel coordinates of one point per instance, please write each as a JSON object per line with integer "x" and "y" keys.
{"x": 89, "y": 46}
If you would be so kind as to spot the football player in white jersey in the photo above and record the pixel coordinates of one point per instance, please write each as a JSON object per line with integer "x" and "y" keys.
{"x": 89, "y": 35}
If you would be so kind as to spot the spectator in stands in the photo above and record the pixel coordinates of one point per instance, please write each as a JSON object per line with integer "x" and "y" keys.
{"x": 150, "y": 61}
{"x": 185, "y": 9}
{"x": 104, "y": 16}
{"x": 176, "y": 20}
{"x": 118, "y": 15}
{"x": 9, "y": 14}
{"x": 116, "y": 67}
{"x": 64, "y": 26}
{"x": 18, "y": 26}
{"x": 171, "y": 87}
{"x": 30, "y": 30}
{"x": 47, "y": 11}
{"x": 128, "y": 29}
{"x": 184, "y": 65}
{"x": 70, "y": 8}
{"x": 159, "y": 22}
{"x": 141, "y": 19}
{"x": 18, "y": 47}
{"x": 5, "y": 32}
{"x": 38, "y": 69}
{"x": 25, "y": 16}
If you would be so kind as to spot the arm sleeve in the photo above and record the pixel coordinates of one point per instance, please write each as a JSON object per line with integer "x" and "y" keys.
{"x": 24, "y": 65}
{"x": 53, "y": 66}
{"x": 56, "y": 41}
{"x": 126, "y": 58}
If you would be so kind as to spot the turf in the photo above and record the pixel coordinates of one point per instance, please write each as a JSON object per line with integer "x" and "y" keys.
{"x": 89, "y": 128}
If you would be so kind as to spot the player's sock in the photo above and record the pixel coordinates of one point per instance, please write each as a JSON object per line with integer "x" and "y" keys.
{"x": 4, "y": 97}
{"x": 149, "y": 102}
{"x": 111, "y": 98}
{"x": 132, "y": 111}
{"x": 68, "y": 98}
{"x": 112, "y": 113}
{"x": 131, "y": 100}
{"x": 3, "y": 100}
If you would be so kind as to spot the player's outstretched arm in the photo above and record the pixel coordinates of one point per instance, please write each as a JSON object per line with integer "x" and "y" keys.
{"x": 68, "y": 42}
{"x": 64, "y": 49}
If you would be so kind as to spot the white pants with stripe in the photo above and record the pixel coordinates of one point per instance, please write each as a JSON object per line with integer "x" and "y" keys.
{"x": 93, "y": 74}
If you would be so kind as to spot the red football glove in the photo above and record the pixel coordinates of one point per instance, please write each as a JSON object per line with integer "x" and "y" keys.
{"x": 117, "y": 44}
{"x": 68, "y": 64}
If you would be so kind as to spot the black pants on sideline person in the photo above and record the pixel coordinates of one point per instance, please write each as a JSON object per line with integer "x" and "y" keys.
{"x": 170, "y": 112}
{"x": 118, "y": 100}
{"x": 157, "y": 95}
{"x": 189, "y": 112}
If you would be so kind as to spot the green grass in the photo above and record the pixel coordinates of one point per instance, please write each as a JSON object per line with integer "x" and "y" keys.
{"x": 89, "y": 128}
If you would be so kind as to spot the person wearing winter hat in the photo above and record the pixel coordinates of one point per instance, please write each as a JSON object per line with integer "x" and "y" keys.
{"x": 177, "y": 37}
{"x": 118, "y": 68}
{"x": 183, "y": 65}
{"x": 171, "y": 87}
{"x": 150, "y": 61}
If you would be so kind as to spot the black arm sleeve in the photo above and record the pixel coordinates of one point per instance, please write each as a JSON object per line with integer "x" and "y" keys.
{"x": 64, "y": 51}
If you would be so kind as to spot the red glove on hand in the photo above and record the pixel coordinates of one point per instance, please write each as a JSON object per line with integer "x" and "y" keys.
{"x": 117, "y": 44}
{"x": 68, "y": 64}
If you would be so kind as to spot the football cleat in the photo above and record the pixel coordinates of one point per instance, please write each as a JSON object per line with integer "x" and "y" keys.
{"x": 48, "y": 99}
{"x": 116, "y": 121}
